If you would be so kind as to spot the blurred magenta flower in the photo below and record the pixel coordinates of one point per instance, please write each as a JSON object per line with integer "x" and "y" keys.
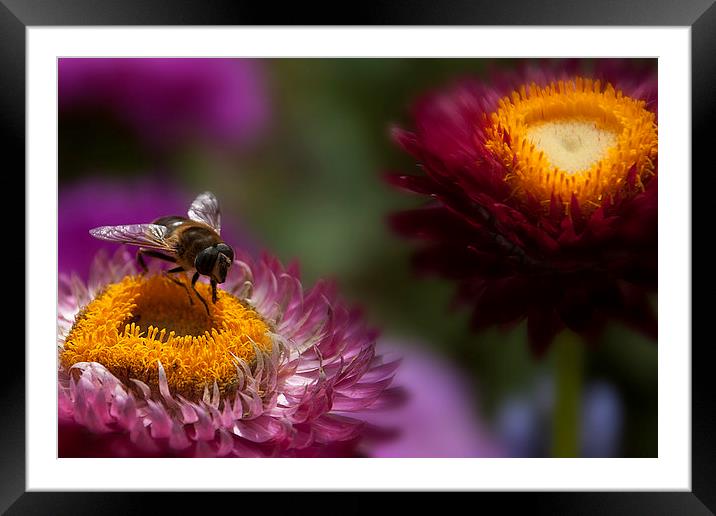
{"x": 440, "y": 417}
{"x": 99, "y": 202}
{"x": 273, "y": 370}
{"x": 542, "y": 195}
{"x": 170, "y": 101}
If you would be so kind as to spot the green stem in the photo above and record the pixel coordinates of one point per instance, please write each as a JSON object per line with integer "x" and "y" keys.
{"x": 568, "y": 366}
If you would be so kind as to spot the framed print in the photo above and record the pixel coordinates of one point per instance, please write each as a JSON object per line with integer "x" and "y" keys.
{"x": 418, "y": 253}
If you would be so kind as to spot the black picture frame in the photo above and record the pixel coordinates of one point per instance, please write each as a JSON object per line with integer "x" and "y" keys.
{"x": 17, "y": 15}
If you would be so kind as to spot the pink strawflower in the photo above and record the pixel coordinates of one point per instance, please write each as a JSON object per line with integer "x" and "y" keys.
{"x": 304, "y": 366}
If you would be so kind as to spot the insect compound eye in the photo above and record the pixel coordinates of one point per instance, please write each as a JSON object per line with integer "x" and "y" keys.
{"x": 226, "y": 250}
{"x": 205, "y": 260}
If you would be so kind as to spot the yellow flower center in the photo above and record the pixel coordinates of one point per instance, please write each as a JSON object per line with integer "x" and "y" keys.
{"x": 574, "y": 138}
{"x": 142, "y": 320}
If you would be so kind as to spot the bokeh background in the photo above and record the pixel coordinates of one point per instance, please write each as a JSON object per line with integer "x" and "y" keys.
{"x": 295, "y": 150}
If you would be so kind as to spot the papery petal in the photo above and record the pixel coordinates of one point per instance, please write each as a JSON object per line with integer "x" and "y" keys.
{"x": 283, "y": 399}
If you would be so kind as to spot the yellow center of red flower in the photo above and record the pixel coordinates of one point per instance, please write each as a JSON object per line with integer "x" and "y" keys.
{"x": 143, "y": 320}
{"x": 574, "y": 138}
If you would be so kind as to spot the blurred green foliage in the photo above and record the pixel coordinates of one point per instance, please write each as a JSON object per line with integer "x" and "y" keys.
{"x": 312, "y": 190}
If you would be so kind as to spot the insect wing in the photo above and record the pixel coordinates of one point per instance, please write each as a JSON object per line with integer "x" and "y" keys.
{"x": 144, "y": 235}
{"x": 205, "y": 208}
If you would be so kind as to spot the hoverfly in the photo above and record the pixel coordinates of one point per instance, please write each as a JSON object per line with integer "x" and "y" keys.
{"x": 192, "y": 243}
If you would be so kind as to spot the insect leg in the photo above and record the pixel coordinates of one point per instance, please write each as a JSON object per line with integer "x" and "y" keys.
{"x": 193, "y": 285}
{"x": 154, "y": 254}
{"x": 213, "y": 291}
{"x": 140, "y": 260}
{"x": 180, "y": 283}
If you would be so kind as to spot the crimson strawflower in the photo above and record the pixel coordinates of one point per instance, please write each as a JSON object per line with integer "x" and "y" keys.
{"x": 543, "y": 189}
